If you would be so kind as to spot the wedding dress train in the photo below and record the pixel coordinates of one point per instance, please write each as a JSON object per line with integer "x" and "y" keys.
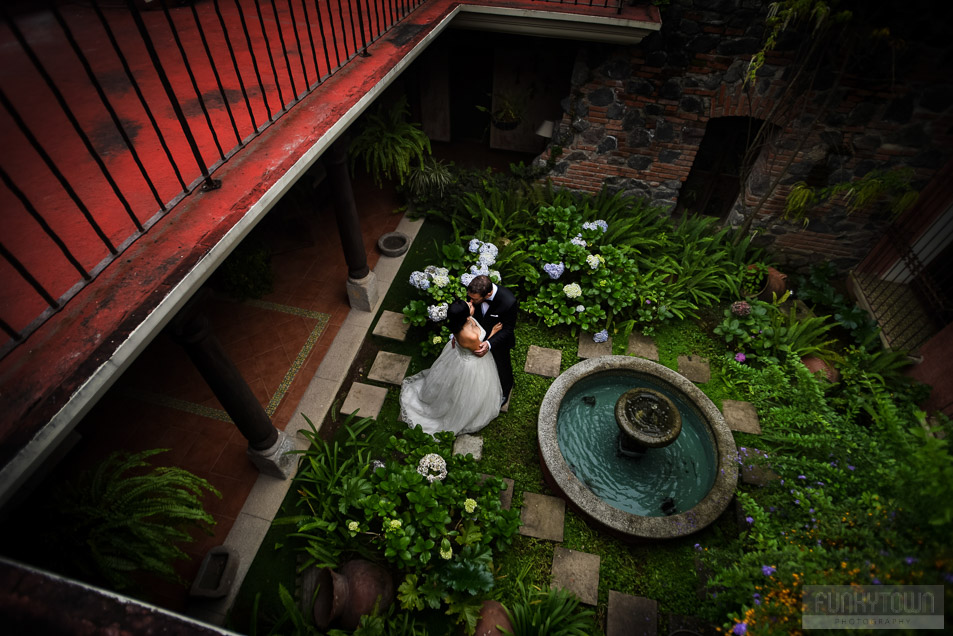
{"x": 460, "y": 393}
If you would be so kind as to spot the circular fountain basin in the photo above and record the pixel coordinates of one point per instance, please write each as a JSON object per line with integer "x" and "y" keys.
{"x": 694, "y": 477}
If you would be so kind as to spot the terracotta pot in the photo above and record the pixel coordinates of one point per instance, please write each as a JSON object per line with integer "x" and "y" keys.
{"x": 815, "y": 364}
{"x": 344, "y": 597}
{"x": 776, "y": 285}
{"x": 492, "y": 618}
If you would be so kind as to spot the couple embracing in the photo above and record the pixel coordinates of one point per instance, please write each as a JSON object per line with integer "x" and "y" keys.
{"x": 466, "y": 388}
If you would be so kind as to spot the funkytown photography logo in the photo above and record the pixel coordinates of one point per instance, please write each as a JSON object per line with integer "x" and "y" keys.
{"x": 872, "y": 607}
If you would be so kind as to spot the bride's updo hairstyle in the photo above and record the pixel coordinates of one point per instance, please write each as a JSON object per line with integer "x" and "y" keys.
{"x": 457, "y": 315}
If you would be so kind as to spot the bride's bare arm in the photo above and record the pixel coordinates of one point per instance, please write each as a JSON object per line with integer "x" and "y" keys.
{"x": 495, "y": 328}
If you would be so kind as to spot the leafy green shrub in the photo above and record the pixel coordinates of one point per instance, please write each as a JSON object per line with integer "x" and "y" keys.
{"x": 119, "y": 520}
{"x": 428, "y": 513}
{"x": 757, "y": 329}
{"x": 855, "y": 501}
{"x": 388, "y": 144}
{"x": 816, "y": 288}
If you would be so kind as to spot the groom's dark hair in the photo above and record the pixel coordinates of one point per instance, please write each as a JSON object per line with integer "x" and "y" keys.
{"x": 480, "y": 285}
{"x": 457, "y": 314}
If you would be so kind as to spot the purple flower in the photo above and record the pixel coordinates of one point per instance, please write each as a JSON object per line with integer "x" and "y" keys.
{"x": 911, "y": 560}
{"x": 948, "y": 577}
{"x": 768, "y": 570}
{"x": 739, "y": 629}
{"x": 749, "y": 519}
{"x": 801, "y": 477}
{"x": 740, "y": 357}
{"x": 876, "y": 581}
{"x": 602, "y": 336}
{"x": 555, "y": 270}
{"x": 849, "y": 467}
{"x": 797, "y": 501}
{"x": 698, "y": 547}
{"x": 648, "y": 302}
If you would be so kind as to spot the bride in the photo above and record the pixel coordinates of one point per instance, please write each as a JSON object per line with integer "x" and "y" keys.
{"x": 461, "y": 392}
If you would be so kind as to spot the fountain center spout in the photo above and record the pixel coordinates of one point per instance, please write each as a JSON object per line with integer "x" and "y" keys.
{"x": 646, "y": 419}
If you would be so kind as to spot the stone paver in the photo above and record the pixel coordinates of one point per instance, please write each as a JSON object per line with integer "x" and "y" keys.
{"x": 694, "y": 368}
{"x": 542, "y": 516}
{"x": 365, "y": 399}
{"x": 389, "y": 367}
{"x": 472, "y": 444}
{"x": 543, "y": 361}
{"x": 590, "y": 349}
{"x": 577, "y": 572}
{"x": 642, "y": 346}
{"x": 391, "y": 325}
{"x": 741, "y": 416}
{"x": 506, "y": 496}
{"x": 752, "y": 473}
{"x": 629, "y": 615}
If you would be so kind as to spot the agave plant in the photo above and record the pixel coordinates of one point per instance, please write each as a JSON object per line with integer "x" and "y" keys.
{"x": 118, "y": 519}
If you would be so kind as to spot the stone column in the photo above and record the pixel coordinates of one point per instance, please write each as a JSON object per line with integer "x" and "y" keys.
{"x": 361, "y": 281}
{"x": 267, "y": 446}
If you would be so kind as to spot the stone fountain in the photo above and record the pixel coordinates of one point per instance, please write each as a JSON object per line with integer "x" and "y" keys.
{"x": 636, "y": 448}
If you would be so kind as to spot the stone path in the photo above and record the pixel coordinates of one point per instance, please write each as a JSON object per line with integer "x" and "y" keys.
{"x": 542, "y": 516}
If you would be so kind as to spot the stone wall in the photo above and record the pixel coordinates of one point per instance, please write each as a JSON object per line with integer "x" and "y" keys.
{"x": 636, "y": 115}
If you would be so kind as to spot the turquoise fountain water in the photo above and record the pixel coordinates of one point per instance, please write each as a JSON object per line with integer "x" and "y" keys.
{"x": 681, "y": 473}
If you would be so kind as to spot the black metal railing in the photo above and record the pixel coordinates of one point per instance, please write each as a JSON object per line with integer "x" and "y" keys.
{"x": 111, "y": 114}
{"x": 904, "y": 283}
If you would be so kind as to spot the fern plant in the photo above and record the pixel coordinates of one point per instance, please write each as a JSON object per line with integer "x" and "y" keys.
{"x": 120, "y": 519}
{"x": 388, "y": 144}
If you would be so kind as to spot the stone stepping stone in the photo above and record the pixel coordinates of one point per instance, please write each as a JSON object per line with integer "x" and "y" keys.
{"x": 472, "y": 444}
{"x": 506, "y": 496}
{"x": 642, "y": 346}
{"x": 741, "y": 416}
{"x": 751, "y": 473}
{"x": 389, "y": 368}
{"x": 590, "y": 349}
{"x": 365, "y": 399}
{"x": 577, "y": 572}
{"x": 542, "y": 361}
{"x": 629, "y": 615}
{"x": 694, "y": 368}
{"x": 391, "y": 325}
{"x": 542, "y": 517}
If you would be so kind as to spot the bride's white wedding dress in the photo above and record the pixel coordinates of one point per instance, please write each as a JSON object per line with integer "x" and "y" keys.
{"x": 460, "y": 393}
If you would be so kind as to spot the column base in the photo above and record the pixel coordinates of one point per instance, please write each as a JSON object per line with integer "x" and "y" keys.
{"x": 362, "y": 294}
{"x": 275, "y": 461}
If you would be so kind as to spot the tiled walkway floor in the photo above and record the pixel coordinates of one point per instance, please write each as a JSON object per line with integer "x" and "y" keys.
{"x": 277, "y": 343}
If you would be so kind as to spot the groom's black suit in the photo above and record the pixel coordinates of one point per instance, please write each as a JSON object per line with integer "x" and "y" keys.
{"x": 502, "y": 309}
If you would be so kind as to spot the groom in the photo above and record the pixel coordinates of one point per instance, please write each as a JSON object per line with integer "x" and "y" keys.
{"x": 493, "y": 304}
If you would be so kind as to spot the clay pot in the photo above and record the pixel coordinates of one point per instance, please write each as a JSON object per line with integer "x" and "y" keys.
{"x": 343, "y": 597}
{"x": 775, "y": 285}
{"x": 815, "y": 364}
{"x": 492, "y": 615}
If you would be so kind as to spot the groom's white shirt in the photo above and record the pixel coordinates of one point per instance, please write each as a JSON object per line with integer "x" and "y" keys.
{"x": 485, "y": 305}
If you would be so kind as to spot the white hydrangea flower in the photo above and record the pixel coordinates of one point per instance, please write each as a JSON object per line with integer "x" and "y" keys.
{"x": 486, "y": 259}
{"x": 580, "y": 309}
{"x": 495, "y": 276}
{"x": 437, "y": 312}
{"x": 578, "y": 240}
{"x": 482, "y": 270}
{"x": 572, "y": 290}
{"x": 475, "y": 245}
{"x": 592, "y": 260}
{"x": 466, "y": 278}
{"x": 433, "y": 467}
{"x": 441, "y": 281}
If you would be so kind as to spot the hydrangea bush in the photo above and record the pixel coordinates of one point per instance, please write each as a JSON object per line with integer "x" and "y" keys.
{"x": 425, "y": 512}
{"x": 440, "y": 286}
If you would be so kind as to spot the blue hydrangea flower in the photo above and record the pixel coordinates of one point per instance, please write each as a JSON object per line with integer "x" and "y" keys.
{"x": 475, "y": 245}
{"x": 489, "y": 248}
{"x": 602, "y": 336}
{"x": 420, "y": 280}
{"x": 486, "y": 258}
{"x": 602, "y": 224}
{"x": 578, "y": 240}
{"x": 480, "y": 270}
{"x": 555, "y": 270}
{"x": 466, "y": 278}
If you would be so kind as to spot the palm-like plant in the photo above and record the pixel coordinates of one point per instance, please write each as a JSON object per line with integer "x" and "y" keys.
{"x": 547, "y": 612}
{"x": 119, "y": 519}
{"x": 388, "y": 144}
